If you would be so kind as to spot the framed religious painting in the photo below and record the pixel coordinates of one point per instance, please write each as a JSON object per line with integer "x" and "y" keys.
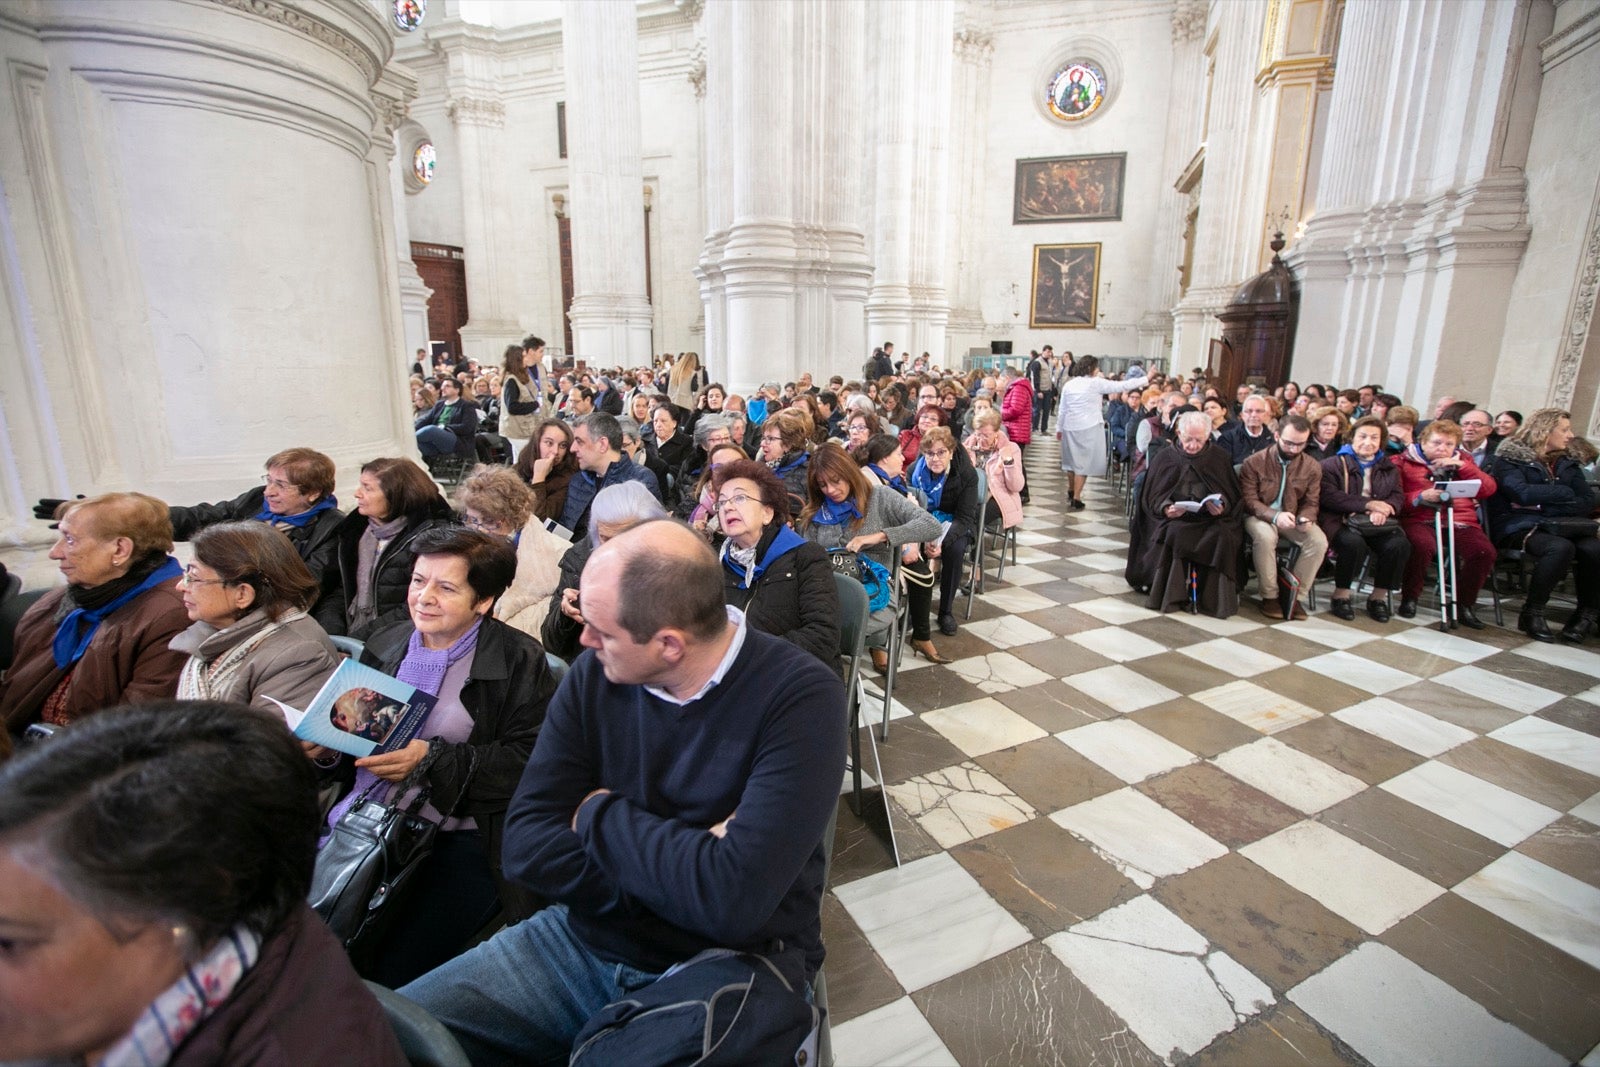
{"x": 1069, "y": 189}
{"x": 1066, "y": 286}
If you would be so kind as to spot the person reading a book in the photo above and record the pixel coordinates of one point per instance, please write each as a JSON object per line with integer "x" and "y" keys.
{"x": 1360, "y": 515}
{"x": 1433, "y": 460}
{"x": 1282, "y": 487}
{"x": 247, "y": 592}
{"x": 492, "y": 684}
{"x": 156, "y": 861}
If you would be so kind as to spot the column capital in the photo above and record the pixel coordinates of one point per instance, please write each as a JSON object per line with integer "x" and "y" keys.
{"x": 469, "y": 110}
{"x": 1189, "y": 20}
{"x": 973, "y": 45}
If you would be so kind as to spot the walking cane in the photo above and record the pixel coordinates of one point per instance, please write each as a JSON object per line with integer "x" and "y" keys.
{"x": 1194, "y": 590}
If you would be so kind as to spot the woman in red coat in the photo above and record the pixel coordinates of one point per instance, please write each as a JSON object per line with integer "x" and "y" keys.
{"x": 1437, "y": 458}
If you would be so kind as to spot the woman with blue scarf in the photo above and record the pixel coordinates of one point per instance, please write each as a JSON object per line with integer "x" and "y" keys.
{"x": 102, "y": 640}
{"x": 781, "y": 581}
{"x": 1359, "y": 511}
{"x": 948, "y": 482}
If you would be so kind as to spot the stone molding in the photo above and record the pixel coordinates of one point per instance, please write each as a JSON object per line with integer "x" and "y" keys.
{"x": 1580, "y": 315}
{"x": 1189, "y": 19}
{"x": 324, "y": 33}
{"x": 1566, "y": 43}
{"x": 465, "y": 110}
{"x": 973, "y": 45}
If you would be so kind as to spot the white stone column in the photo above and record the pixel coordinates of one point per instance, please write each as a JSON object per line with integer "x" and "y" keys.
{"x": 974, "y": 48}
{"x": 1184, "y": 120}
{"x": 611, "y": 317}
{"x": 393, "y": 94}
{"x": 889, "y": 306}
{"x": 479, "y": 116}
{"x": 930, "y": 208}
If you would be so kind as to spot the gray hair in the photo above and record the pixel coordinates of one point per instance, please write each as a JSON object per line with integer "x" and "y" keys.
{"x": 625, "y": 504}
{"x": 860, "y": 402}
{"x": 708, "y": 424}
{"x": 601, "y": 424}
{"x": 1193, "y": 420}
{"x": 630, "y": 429}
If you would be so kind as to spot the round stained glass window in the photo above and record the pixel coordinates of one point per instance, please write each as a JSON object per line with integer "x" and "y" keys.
{"x": 1076, "y": 91}
{"x": 408, "y": 13}
{"x": 422, "y": 161}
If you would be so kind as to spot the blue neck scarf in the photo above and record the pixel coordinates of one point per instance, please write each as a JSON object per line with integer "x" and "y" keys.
{"x": 794, "y": 464}
{"x": 785, "y": 541}
{"x": 266, "y": 514}
{"x": 897, "y": 483}
{"x": 831, "y": 514}
{"x": 933, "y": 488}
{"x": 1346, "y": 450}
{"x": 70, "y": 645}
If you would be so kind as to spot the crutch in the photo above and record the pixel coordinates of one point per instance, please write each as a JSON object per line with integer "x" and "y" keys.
{"x": 1194, "y": 589}
{"x": 1444, "y": 541}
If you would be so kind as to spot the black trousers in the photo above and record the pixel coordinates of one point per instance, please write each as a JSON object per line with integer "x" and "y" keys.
{"x": 1553, "y": 557}
{"x": 1389, "y": 556}
{"x": 920, "y": 583}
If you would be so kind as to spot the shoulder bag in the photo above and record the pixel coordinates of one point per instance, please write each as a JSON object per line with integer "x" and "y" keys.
{"x": 869, "y": 572}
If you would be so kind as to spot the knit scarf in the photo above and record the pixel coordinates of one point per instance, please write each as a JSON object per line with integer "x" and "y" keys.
{"x": 746, "y": 568}
{"x": 202, "y": 680}
{"x": 933, "y": 488}
{"x": 831, "y": 514}
{"x": 71, "y": 642}
{"x": 266, "y": 514}
{"x": 368, "y": 550}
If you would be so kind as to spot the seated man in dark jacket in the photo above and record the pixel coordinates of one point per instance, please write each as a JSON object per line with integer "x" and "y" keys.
{"x": 450, "y": 427}
{"x": 1250, "y": 434}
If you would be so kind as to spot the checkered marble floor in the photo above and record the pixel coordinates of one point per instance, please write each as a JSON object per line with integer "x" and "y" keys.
{"x": 1130, "y": 838}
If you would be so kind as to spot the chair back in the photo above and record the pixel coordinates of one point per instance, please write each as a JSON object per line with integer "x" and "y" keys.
{"x": 348, "y": 645}
{"x": 423, "y": 1039}
{"x": 558, "y": 666}
{"x": 852, "y": 615}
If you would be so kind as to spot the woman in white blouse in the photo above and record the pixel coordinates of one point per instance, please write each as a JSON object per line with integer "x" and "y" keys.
{"x": 1080, "y": 426}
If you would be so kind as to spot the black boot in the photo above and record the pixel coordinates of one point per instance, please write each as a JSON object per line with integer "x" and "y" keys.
{"x": 1467, "y": 616}
{"x": 1531, "y": 622}
{"x": 1581, "y": 626}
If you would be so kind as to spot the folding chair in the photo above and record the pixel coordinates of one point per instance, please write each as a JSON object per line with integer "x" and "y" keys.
{"x": 349, "y": 646}
{"x": 974, "y": 560}
{"x": 897, "y": 640}
{"x": 852, "y": 646}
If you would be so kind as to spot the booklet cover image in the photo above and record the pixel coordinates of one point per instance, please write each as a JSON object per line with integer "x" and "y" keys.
{"x": 361, "y": 711}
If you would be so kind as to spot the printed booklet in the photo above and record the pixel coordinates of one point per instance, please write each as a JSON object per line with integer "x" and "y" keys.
{"x": 360, "y": 711}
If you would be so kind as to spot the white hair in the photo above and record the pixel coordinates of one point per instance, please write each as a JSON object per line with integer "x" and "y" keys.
{"x": 1197, "y": 420}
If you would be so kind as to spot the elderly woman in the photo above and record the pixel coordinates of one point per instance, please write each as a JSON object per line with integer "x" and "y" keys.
{"x": 1401, "y": 421}
{"x": 928, "y": 416}
{"x": 673, "y": 446}
{"x": 252, "y": 641}
{"x": 396, "y": 500}
{"x": 616, "y": 508}
{"x": 1182, "y": 554}
{"x": 781, "y": 581}
{"x": 844, "y": 512}
{"x": 859, "y": 426}
{"x": 896, "y": 413}
{"x": 1435, "y": 458}
{"x": 1543, "y": 507}
{"x": 493, "y": 499}
{"x": 944, "y": 475}
{"x": 492, "y": 684}
{"x": 1001, "y": 461}
{"x": 156, "y": 862}
{"x": 784, "y": 441}
{"x": 1360, "y": 508}
{"x": 1080, "y": 427}
{"x": 700, "y": 509}
{"x": 548, "y": 465}
{"x": 103, "y": 640}
{"x": 1329, "y": 431}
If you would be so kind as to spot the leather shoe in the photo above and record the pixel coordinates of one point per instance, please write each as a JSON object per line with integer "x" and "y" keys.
{"x": 1343, "y": 609}
{"x": 947, "y": 625}
{"x": 1468, "y": 617}
{"x": 880, "y": 660}
{"x": 1378, "y": 609}
{"x": 926, "y": 650}
{"x": 1407, "y": 609}
{"x": 1531, "y": 622}
{"x": 1580, "y": 626}
{"x": 1271, "y": 608}
{"x": 1077, "y": 505}
{"x": 1299, "y": 611}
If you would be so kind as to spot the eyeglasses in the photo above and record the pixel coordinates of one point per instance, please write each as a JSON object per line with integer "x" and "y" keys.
{"x": 277, "y": 483}
{"x": 942, "y": 453}
{"x": 738, "y": 500}
{"x": 488, "y": 525}
{"x": 773, "y": 438}
{"x": 1290, "y": 446}
{"x": 191, "y": 577}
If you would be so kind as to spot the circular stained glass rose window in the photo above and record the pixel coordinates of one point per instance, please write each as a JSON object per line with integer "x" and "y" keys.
{"x": 422, "y": 161}
{"x": 1076, "y": 91}
{"x": 408, "y": 13}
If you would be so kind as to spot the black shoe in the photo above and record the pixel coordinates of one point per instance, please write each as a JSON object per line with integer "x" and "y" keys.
{"x": 1531, "y": 622}
{"x": 1378, "y": 609}
{"x": 1076, "y": 504}
{"x": 1581, "y": 626}
{"x": 1407, "y": 609}
{"x": 1468, "y": 617}
{"x": 947, "y": 625}
{"x": 1343, "y": 609}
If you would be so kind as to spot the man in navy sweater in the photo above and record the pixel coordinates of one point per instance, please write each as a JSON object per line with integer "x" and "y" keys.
{"x": 675, "y": 801}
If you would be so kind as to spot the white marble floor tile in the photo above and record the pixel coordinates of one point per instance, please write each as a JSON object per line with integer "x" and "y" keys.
{"x": 1139, "y": 837}
{"x": 1228, "y": 655}
{"x": 1233, "y": 627}
{"x": 1115, "y": 643}
{"x": 1035, "y": 538}
{"x": 957, "y": 804}
{"x": 1589, "y": 810}
{"x": 998, "y": 672}
{"x": 1150, "y": 967}
{"x": 1126, "y": 749}
{"x": 1100, "y": 543}
{"x": 1545, "y": 902}
{"x": 1022, "y": 574}
{"x": 872, "y": 685}
{"x": 1392, "y": 1011}
{"x": 1119, "y": 688}
{"x": 1592, "y": 1059}
{"x": 1582, "y": 660}
{"x": 1554, "y": 742}
{"x": 1346, "y": 878}
{"x": 1409, "y": 728}
{"x": 1097, "y": 529}
{"x": 1331, "y": 634}
{"x": 1101, "y": 561}
{"x": 1006, "y": 631}
{"x": 1111, "y": 584}
{"x": 1592, "y": 696}
{"x": 1511, "y": 693}
{"x": 895, "y": 1035}
{"x": 1467, "y": 800}
{"x": 1016, "y": 601}
{"x": 981, "y": 726}
{"x": 1115, "y": 609}
{"x": 1256, "y": 706}
{"x": 1448, "y": 646}
{"x": 1363, "y": 673}
{"x": 929, "y": 919}
{"x": 1303, "y": 782}
{"x": 1030, "y": 557}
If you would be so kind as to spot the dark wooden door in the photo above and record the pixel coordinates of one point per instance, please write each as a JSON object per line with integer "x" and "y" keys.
{"x": 444, "y": 270}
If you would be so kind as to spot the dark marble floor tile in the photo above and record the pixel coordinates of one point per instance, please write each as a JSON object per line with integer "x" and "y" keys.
{"x": 1281, "y": 642}
{"x": 1054, "y": 706}
{"x": 1404, "y": 658}
{"x": 928, "y": 688}
{"x": 1064, "y": 620}
{"x": 1570, "y": 845}
{"x": 1452, "y": 705}
{"x": 1169, "y": 632}
{"x": 857, "y": 849}
{"x": 1191, "y": 724}
{"x": 913, "y": 748}
{"x": 1026, "y": 1007}
{"x": 857, "y": 979}
{"x": 1064, "y": 591}
{"x": 1180, "y": 673}
{"x": 1578, "y": 714}
{"x": 1044, "y": 876}
{"x": 1536, "y": 673}
{"x": 1517, "y": 976}
{"x": 1283, "y": 1036}
{"x": 1058, "y": 657}
{"x": 1049, "y": 775}
{"x": 1355, "y": 752}
{"x": 1436, "y": 848}
{"x": 1315, "y": 691}
{"x": 1550, "y": 783}
{"x": 1217, "y": 803}
{"x": 1277, "y": 932}
{"x": 963, "y": 644}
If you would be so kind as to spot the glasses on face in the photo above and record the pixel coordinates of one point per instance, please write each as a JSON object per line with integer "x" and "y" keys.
{"x": 277, "y": 483}
{"x": 738, "y": 500}
{"x": 191, "y": 577}
{"x": 479, "y": 523}
{"x": 1290, "y": 446}
{"x": 771, "y": 439}
{"x": 941, "y": 453}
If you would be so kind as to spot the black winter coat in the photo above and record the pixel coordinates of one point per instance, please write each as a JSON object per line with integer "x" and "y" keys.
{"x": 1527, "y": 491}
{"x": 794, "y": 598}
{"x": 392, "y": 581}
{"x": 559, "y": 632}
{"x": 316, "y": 542}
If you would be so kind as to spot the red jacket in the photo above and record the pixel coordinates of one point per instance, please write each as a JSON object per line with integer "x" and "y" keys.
{"x": 1416, "y": 476}
{"x": 1016, "y": 412}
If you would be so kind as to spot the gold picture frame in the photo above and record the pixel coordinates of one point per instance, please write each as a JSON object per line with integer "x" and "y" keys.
{"x": 1066, "y": 287}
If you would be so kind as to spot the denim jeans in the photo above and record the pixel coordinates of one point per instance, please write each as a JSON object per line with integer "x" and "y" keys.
{"x": 522, "y": 996}
{"x": 436, "y": 441}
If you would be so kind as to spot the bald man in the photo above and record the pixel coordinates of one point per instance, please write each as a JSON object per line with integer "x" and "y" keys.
{"x": 675, "y": 801}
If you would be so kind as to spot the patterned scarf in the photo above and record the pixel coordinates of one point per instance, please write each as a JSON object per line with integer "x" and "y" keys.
{"x": 742, "y": 563}
{"x": 187, "y": 1003}
{"x": 933, "y": 488}
{"x": 831, "y": 514}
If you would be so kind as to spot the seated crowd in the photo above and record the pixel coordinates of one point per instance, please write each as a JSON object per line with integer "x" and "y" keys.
{"x": 669, "y": 797}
